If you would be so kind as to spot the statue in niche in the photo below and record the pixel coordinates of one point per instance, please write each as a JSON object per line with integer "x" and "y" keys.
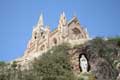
{"x": 85, "y": 68}
{"x": 84, "y": 65}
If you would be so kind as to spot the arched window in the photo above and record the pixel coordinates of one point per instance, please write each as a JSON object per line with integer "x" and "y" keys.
{"x": 35, "y": 35}
{"x": 41, "y": 33}
{"x": 55, "y": 41}
{"x": 76, "y": 33}
{"x": 42, "y": 47}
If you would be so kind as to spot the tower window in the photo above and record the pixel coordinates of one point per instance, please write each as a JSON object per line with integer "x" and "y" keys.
{"x": 41, "y": 33}
{"x": 55, "y": 41}
{"x": 35, "y": 37}
{"x": 43, "y": 37}
{"x": 42, "y": 47}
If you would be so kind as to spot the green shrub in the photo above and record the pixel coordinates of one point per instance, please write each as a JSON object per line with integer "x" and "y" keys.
{"x": 54, "y": 65}
{"x": 2, "y": 63}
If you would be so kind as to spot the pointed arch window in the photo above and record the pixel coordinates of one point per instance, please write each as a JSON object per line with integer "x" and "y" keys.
{"x": 35, "y": 35}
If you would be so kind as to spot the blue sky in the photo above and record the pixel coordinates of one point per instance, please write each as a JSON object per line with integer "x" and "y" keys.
{"x": 17, "y": 18}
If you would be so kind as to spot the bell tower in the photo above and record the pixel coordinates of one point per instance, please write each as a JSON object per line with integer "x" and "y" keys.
{"x": 37, "y": 30}
{"x": 63, "y": 25}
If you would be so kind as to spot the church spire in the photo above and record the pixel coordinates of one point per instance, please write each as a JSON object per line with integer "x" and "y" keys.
{"x": 40, "y": 22}
{"x": 63, "y": 14}
{"x": 62, "y": 20}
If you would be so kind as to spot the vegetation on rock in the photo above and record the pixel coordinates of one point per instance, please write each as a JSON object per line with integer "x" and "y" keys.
{"x": 103, "y": 56}
{"x": 86, "y": 76}
{"x": 53, "y": 65}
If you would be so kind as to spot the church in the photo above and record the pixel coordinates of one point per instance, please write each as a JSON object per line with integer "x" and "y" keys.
{"x": 43, "y": 38}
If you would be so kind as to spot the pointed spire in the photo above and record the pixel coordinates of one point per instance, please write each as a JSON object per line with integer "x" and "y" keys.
{"x": 64, "y": 18}
{"x": 40, "y": 22}
{"x": 62, "y": 21}
{"x": 74, "y": 14}
{"x": 63, "y": 14}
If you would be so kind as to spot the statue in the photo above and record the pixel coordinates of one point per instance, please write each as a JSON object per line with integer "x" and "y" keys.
{"x": 84, "y": 66}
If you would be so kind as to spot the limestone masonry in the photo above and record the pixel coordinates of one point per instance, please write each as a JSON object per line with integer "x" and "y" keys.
{"x": 43, "y": 39}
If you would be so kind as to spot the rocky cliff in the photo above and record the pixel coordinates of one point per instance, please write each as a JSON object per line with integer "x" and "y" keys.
{"x": 103, "y": 56}
{"x": 62, "y": 63}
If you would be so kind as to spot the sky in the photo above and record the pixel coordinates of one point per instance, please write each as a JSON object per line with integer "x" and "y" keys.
{"x": 18, "y": 17}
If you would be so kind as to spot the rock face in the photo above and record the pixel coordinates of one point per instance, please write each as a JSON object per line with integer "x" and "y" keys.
{"x": 118, "y": 78}
{"x": 102, "y": 69}
{"x": 101, "y": 58}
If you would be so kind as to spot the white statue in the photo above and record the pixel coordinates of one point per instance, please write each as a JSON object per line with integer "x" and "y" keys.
{"x": 83, "y": 63}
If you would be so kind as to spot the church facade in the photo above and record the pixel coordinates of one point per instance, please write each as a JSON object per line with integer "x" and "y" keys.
{"x": 66, "y": 32}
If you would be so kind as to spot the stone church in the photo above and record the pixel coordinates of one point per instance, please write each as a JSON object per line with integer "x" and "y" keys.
{"x": 43, "y": 39}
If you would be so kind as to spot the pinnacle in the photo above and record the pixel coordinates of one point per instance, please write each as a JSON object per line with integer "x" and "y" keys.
{"x": 40, "y": 22}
